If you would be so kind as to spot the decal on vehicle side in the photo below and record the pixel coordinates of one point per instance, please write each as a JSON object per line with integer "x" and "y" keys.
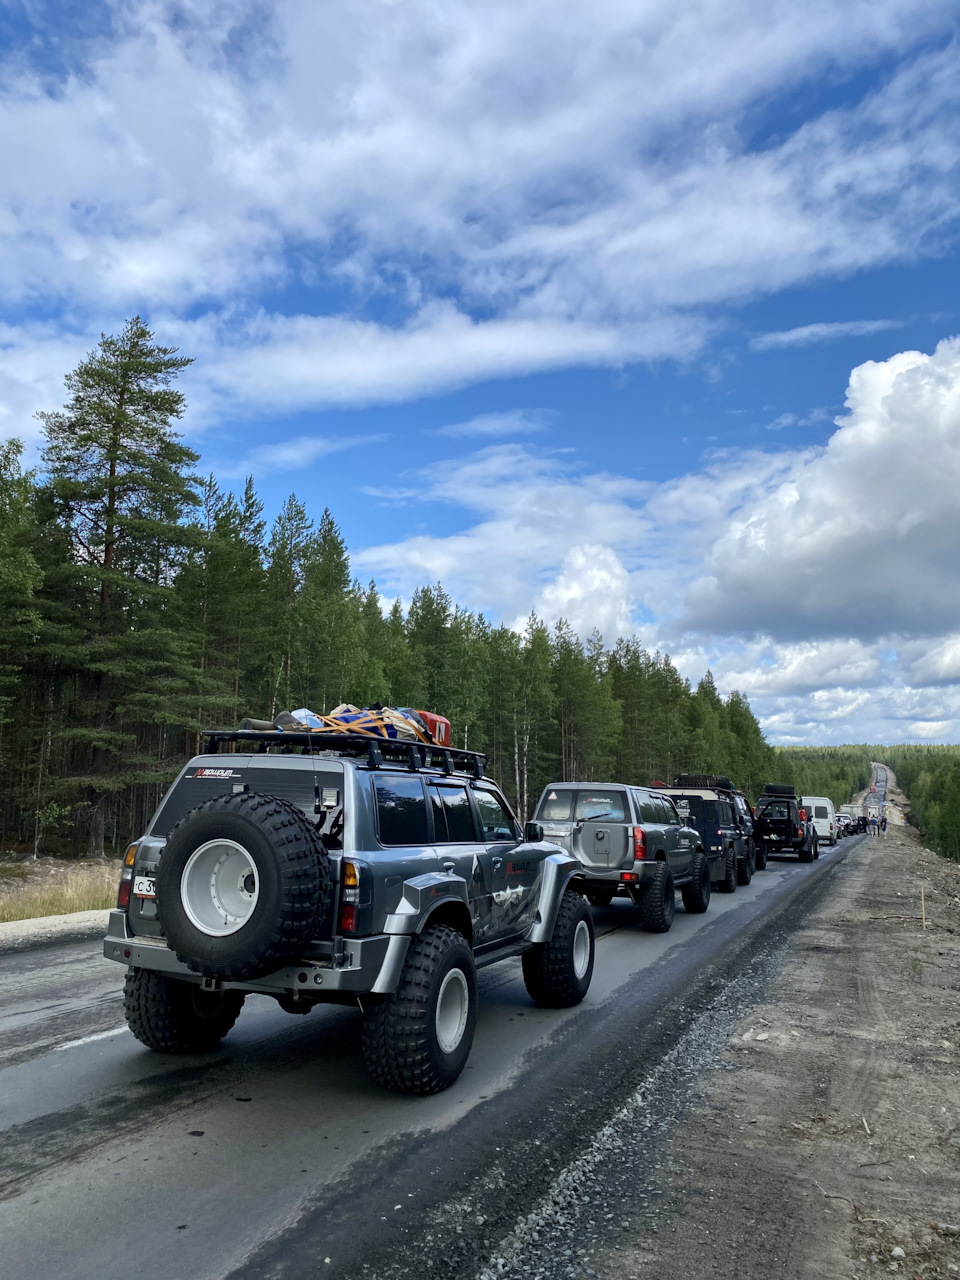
{"x": 214, "y": 773}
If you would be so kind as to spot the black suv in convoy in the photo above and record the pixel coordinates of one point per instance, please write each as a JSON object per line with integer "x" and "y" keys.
{"x": 722, "y": 816}
{"x": 779, "y": 826}
{"x": 341, "y": 869}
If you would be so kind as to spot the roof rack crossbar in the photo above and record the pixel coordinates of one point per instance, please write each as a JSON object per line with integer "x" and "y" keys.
{"x": 415, "y": 755}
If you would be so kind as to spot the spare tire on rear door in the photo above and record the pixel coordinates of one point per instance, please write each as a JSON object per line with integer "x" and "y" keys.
{"x": 243, "y": 884}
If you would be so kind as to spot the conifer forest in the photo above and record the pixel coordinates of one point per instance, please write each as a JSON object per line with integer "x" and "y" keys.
{"x": 143, "y": 604}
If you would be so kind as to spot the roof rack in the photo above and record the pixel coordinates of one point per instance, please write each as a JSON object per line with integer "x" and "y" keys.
{"x": 708, "y": 781}
{"x": 414, "y": 755}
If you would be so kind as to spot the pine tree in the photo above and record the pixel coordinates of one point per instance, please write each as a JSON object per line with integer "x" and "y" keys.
{"x": 119, "y": 483}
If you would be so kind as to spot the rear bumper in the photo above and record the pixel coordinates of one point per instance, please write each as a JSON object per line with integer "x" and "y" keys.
{"x": 368, "y": 966}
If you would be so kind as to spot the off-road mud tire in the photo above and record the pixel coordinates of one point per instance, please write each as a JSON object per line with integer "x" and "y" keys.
{"x": 729, "y": 882}
{"x": 599, "y": 897}
{"x": 172, "y": 1016}
{"x": 745, "y": 866}
{"x": 658, "y": 904}
{"x": 400, "y": 1043}
{"x": 696, "y": 894}
{"x": 550, "y": 969}
{"x": 807, "y": 853}
{"x": 294, "y": 885}
{"x": 816, "y": 849}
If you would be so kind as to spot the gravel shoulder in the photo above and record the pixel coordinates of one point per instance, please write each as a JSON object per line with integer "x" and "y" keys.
{"x": 828, "y": 1141}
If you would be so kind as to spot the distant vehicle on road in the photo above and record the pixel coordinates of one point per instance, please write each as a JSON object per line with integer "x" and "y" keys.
{"x": 821, "y": 812}
{"x": 779, "y": 827}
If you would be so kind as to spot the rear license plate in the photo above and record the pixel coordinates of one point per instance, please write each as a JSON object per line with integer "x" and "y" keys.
{"x": 144, "y": 887}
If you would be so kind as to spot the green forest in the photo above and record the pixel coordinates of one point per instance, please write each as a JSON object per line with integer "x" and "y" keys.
{"x": 144, "y": 604}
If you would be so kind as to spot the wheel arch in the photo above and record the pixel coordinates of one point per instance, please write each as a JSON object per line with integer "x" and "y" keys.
{"x": 451, "y": 912}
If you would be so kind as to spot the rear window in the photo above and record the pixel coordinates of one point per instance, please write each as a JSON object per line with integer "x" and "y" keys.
{"x": 401, "y": 809}
{"x": 610, "y": 805}
{"x": 820, "y": 811}
{"x": 557, "y": 806}
{"x": 204, "y": 782}
{"x": 777, "y": 809}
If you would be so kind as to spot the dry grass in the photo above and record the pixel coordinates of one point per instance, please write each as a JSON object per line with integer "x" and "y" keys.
{"x": 90, "y": 887}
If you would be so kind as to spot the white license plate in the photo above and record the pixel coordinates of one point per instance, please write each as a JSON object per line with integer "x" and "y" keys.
{"x": 144, "y": 887}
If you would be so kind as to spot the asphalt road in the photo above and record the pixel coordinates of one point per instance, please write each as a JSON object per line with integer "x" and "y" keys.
{"x": 277, "y": 1156}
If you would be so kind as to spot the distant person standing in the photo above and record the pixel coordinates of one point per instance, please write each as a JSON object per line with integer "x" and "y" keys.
{"x": 883, "y": 825}
{"x": 873, "y": 824}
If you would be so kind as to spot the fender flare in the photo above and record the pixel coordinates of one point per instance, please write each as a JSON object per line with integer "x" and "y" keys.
{"x": 560, "y": 871}
{"x": 422, "y": 896}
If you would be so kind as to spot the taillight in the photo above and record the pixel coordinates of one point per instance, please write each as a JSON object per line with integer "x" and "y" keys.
{"x": 123, "y": 897}
{"x": 639, "y": 844}
{"x": 355, "y": 898}
{"x": 800, "y": 832}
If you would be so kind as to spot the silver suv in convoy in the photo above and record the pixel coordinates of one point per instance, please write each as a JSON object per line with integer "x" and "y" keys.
{"x": 346, "y": 870}
{"x": 628, "y": 841}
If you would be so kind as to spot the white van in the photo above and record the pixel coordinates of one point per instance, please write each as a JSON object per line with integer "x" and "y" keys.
{"x": 822, "y": 814}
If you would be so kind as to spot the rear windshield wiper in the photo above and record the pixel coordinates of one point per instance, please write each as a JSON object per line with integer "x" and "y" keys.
{"x": 607, "y": 813}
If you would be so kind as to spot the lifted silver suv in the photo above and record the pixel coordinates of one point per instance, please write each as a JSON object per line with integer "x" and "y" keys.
{"x": 342, "y": 870}
{"x": 629, "y": 841}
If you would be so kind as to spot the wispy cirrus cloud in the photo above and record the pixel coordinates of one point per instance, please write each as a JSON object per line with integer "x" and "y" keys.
{"x": 291, "y": 455}
{"x": 512, "y": 422}
{"x": 828, "y": 331}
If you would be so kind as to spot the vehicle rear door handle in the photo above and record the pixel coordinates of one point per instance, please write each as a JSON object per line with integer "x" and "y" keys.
{"x": 449, "y": 865}
{"x": 496, "y": 863}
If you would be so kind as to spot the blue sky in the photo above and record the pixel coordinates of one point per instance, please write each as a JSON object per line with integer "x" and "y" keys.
{"x": 600, "y": 309}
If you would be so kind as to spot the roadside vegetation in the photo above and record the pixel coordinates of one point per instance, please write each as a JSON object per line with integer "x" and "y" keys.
{"x": 56, "y": 890}
{"x": 930, "y": 776}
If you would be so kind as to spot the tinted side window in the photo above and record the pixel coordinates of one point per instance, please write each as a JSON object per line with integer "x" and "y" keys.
{"x": 710, "y": 815}
{"x": 557, "y": 806}
{"x": 496, "y": 822}
{"x": 670, "y": 813}
{"x": 820, "y": 811}
{"x": 648, "y": 805}
{"x": 452, "y": 815}
{"x": 401, "y": 810}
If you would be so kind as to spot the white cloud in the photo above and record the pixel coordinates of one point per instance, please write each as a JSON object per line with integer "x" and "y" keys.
{"x": 822, "y": 583}
{"x": 591, "y": 591}
{"x": 510, "y": 423}
{"x": 291, "y": 455}
{"x": 860, "y": 537}
{"x": 578, "y": 182}
{"x": 823, "y": 332}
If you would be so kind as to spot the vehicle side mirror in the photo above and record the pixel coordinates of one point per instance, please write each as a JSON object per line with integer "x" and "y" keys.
{"x": 533, "y": 833}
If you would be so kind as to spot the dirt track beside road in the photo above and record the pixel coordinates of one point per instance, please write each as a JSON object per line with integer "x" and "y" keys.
{"x": 832, "y": 1138}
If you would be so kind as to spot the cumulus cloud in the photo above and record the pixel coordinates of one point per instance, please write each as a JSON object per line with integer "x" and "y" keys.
{"x": 823, "y": 332}
{"x": 860, "y": 538}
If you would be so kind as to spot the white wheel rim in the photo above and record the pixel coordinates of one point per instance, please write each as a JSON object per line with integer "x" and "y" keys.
{"x": 453, "y": 1006}
{"x": 581, "y": 949}
{"x": 219, "y": 888}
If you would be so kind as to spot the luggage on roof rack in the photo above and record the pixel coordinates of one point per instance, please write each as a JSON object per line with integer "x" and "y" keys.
{"x": 398, "y": 723}
{"x": 708, "y": 781}
{"x": 779, "y": 789}
{"x": 412, "y": 755}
